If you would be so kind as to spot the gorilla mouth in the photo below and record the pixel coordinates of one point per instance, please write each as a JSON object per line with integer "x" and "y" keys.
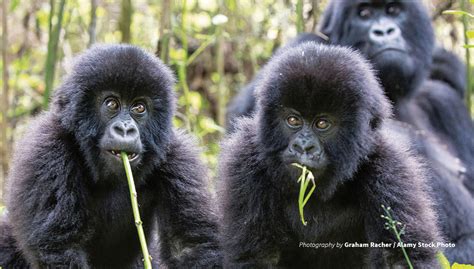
{"x": 131, "y": 155}
{"x": 313, "y": 163}
{"x": 381, "y": 51}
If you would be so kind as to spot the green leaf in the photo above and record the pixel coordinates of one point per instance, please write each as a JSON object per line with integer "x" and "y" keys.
{"x": 14, "y": 5}
{"x": 458, "y": 12}
{"x": 443, "y": 261}
{"x": 470, "y": 33}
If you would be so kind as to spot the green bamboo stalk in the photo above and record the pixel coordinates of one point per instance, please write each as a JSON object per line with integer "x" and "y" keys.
{"x": 465, "y": 24}
{"x": 221, "y": 89}
{"x": 93, "y": 23}
{"x": 4, "y": 126}
{"x": 52, "y": 50}
{"x": 125, "y": 20}
{"x": 299, "y": 17}
{"x": 136, "y": 212}
{"x": 165, "y": 31}
{"x": 182, "y": 71}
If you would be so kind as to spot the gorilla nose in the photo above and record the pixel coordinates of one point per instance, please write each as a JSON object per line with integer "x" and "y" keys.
{"x": 124, "y": 131}
{"x": 305, "y": 146}
{"x": 384, "y": 31}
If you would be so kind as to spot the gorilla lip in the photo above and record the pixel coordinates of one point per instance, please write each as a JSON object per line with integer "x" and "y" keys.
{"x": 131, "y": 155}
{"x": 381, "y": 51}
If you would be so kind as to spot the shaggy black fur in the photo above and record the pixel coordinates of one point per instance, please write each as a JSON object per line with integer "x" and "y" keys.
{"x": 243, "y": 104}
{"x": 363, "y": 168}
{"x": 403, "y": 60}
{"x": 69, "y": 204}
{"x": 448, "y": 68}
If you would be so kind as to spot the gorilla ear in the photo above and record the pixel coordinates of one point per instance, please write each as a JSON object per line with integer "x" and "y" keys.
{"x": 380, "y": 109}
{"x": 62, "y": 104}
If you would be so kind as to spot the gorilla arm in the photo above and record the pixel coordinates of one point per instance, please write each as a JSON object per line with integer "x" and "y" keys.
{"x": 448, "y": 68}
{"x": 437, "y": 109}
{"x": 49, "y": 197}
{"x": 252, "y": 216}
{"x": 186, "y": 222}
{"x": 390, "y": 182}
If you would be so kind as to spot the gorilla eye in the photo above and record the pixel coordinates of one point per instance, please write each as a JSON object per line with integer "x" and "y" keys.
{"x": 112, "y": 104}
{"x": 294, "y": 121}
{"x": 365, "y": 11}
{"x": 139, "y": 108}
{"x": 393, "y": 9}
{"x": 323, "y": 124}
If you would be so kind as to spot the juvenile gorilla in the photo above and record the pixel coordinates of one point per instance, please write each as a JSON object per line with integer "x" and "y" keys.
{"x": 323, "y": 108}
{"x": 69, "y": 203}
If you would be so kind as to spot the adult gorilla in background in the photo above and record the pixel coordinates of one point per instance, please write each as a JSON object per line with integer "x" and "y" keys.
{"x": 397, "y": 37}
{"x": 321, "y": 107}
{"x": 69, "y": 204}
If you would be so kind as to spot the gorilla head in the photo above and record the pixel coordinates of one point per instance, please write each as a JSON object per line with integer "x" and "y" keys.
{"x": 116, "y": 108}
{"x": 313, "y": 115}
{"x": 396, "y": 36}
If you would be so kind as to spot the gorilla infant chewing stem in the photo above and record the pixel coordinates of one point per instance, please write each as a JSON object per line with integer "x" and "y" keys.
{"x": 321, "y": 107}
{"x": 69, "y": 202}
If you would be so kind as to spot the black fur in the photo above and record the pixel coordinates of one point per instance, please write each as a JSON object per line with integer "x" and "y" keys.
{"x": 432, "y": 106}
{"x": 69, "y": 208}
{"x": 261, "y": 227}
{"x": 453, "y": 202}
{"x": 448, "y": 68}
{"x": 10, "y": 254}
{"x": 243, "y": 104}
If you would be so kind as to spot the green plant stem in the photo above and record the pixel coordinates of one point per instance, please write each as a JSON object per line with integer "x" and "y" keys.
{"x": 301, "y": 197}
{"x": 136, "y": 212}
{"x": 165, "y": 30}
{"x": 393, "y": 225}
{"x": 51, "y": 56}
{"x": 182, "y": 72}
{"x": 300, "y": 17}
{"x": 304, "y": 180}
{"x": 397, "y": 234}
{"x": 465, "y": 24}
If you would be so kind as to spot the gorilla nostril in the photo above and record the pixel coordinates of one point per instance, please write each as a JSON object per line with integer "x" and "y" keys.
{"x": 132, "y": 132}
{"x": 296, "y": 147}
{"x": 119, "y": 130}
{"x": 124, "y": 130}
{"x": 390, "y": 31}
{"x": 378, "y": 32}
{"x": 309, "y": 148}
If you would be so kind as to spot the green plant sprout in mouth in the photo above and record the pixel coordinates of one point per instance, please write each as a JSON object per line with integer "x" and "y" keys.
{"x": 136, "y": 213}
{"x": 304, "y": 179}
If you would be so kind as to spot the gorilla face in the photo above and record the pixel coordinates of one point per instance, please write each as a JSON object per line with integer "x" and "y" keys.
{"x": 396, "y": 36}
{"x": 319, "y": 106}
{"x": 123, "y": 119}
{"x": 118, "y": 99}
{"x": 306, "y": 138}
